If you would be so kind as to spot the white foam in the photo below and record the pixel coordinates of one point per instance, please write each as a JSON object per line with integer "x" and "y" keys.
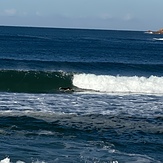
{"x": 119, "y": 84}
{"x": 149, "y": 32}
{"x": 159, "y": 39}
{"x": 7, "y": 160}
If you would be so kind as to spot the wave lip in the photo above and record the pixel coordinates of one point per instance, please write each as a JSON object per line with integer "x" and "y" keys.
{"x": 119, "y": 84}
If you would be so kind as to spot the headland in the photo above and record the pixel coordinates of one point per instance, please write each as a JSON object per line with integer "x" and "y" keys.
{"x": 160, "y": 31}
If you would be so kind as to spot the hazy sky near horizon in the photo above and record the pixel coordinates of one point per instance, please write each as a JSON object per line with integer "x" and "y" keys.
{"x": 102, "y": 14}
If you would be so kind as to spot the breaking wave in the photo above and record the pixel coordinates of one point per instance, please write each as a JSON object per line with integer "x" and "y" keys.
{"x": 119, "y": 84}
{"x": 51, "y": 81}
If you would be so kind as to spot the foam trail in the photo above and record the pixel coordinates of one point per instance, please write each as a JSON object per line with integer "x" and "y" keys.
{"x": 119, "y": 84}
{"x": 159, "y": 39}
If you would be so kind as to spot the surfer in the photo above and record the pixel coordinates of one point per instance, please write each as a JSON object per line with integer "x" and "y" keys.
{"x": 66, "y": 89}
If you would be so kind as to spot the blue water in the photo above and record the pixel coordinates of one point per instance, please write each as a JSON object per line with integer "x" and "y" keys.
{"x": 114, "y": 113}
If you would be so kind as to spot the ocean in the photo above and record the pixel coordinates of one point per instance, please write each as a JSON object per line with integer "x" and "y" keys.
{"x": 80, "y": 96}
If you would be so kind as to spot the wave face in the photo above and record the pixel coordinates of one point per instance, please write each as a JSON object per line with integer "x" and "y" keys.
{"x": 33, "y": 81}
{"x": 119, "y": 84}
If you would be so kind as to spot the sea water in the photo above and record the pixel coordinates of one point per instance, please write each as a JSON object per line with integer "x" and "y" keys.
{"x": 114, "y": 113}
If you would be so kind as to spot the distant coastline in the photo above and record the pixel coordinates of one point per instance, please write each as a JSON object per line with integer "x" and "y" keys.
{"x": 160, "y": 31}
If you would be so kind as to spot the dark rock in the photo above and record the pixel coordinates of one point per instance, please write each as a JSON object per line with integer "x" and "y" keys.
{"x": 160, "y": 31}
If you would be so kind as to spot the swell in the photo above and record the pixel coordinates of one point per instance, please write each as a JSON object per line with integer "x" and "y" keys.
{"x": 100, "y": 68}
{"x": 24, "y": 37}
{"x": 115, "y": 134}
{"x": 64, "y": 122}
{"x": 33, "y": 81}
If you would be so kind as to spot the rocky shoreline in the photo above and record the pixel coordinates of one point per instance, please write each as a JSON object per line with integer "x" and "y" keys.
{"x": 160, "y": 31}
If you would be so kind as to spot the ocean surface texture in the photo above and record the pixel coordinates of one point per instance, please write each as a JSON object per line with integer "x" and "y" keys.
{"x": 114, "y": 114}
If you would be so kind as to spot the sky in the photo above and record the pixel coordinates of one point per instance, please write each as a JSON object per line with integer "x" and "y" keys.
{"x": 87, "y": 14}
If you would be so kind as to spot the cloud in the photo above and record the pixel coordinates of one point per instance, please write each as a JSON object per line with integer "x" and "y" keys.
{"x": 38, "y": 13}
{"x": 128, "y": 17}
{"x": 24, "y": 13}
{"x": 10, "y": 12}
{"x": 105, "y": 16}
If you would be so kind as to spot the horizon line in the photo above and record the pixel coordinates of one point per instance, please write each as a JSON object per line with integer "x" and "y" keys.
{"x": 73, "y": 28}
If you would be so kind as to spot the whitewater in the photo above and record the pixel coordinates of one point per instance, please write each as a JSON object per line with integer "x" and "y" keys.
{"x": 119, "y": 84}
